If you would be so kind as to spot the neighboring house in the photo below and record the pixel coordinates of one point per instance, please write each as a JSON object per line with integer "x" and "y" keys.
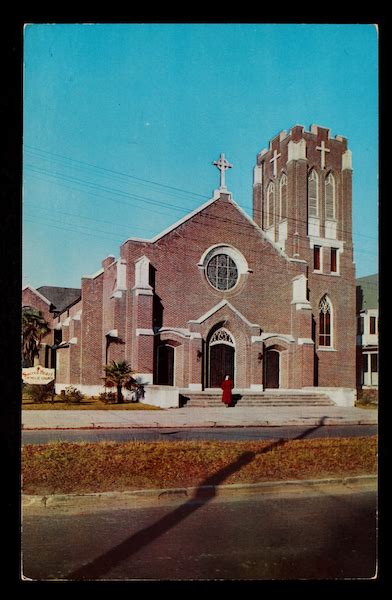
{"x": 53, "y": 302}
{"x": 367, "y": 331}
{"x": 269, "y": 300}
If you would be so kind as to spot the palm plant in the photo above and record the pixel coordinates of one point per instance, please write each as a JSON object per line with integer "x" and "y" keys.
{"x": 34, "y": 328}
{"x": 118, "y": 374}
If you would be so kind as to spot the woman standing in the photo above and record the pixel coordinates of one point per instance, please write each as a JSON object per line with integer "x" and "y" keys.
{"x": 227, "y": 386}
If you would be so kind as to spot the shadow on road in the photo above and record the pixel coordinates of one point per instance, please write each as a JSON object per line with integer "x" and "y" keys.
{"x": 104, "y": 563}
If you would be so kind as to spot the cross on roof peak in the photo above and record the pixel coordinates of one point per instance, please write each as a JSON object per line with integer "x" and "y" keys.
{"x": 222, "y": 164}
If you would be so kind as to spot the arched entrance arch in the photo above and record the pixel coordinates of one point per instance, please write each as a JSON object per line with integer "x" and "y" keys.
{"x": 221, "y": 357}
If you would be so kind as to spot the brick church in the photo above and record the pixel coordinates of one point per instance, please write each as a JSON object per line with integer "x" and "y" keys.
{"x": 269, "y": 300}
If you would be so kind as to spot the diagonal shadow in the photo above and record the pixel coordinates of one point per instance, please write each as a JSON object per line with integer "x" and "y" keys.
{"x": 104, "y": 563}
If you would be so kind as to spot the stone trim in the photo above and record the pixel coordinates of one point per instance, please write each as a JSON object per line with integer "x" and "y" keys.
{"x": 217, "y": 307}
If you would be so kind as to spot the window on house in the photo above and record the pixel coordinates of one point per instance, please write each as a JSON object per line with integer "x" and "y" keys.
{"x": 317, "y": 258}
{"x": 58, "y": 336}
{"x": 283, "y": 197}
{"x": 313, "y": 210}
{"x": 374, "y": 363}
{"x": 372, "y": 327}
{"x": 325, "y": 322}
{"x": 365, "y": 367}
{"x": 330, "y": 197}
{"x": 360, "y": 326}
{"x": 334, "y": 262}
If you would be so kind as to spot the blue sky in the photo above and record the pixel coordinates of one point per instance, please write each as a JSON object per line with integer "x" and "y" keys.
{"x": 122, "y": 124}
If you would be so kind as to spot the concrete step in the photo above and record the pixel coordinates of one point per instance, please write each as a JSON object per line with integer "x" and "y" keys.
{"x": 278, "y": 399}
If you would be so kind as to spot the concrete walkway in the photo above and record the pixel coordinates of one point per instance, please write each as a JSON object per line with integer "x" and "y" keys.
{"x": 198, "y": 417}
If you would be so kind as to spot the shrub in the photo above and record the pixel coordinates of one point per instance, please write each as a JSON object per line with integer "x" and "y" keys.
{"x": 38, "y": 393}
{"x": 367, "y": 396}
{"x": 108, "y": 397}
{"x": 73, "y": 395}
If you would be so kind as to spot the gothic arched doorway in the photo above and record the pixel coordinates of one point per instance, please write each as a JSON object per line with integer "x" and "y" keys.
{"x": 272, "y": 368}
{"x": 165, "y": 365}
{"x": 221, "y": 353}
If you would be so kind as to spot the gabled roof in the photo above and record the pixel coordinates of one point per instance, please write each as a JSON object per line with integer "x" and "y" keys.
{"x": 202, "y": 207}
{"x": 60, "y": 297}
{"x": 41, "y": 296}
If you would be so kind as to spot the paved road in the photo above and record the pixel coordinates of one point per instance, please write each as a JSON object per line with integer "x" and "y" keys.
{"x": 315, "y": 536}
{"x": 202, "y": 433}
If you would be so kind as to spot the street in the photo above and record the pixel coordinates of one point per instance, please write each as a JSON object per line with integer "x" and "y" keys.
{"x": 193, "y": 433}
{"x": 323, "y": 535}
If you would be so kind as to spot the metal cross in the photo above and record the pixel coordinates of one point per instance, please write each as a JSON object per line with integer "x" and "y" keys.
{"x": 323, "y": 150}
{"x": 222, "y": 165}
{"x": 274, "y": 160}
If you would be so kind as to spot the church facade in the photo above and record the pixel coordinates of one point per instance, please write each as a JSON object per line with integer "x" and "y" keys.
{"x": 268, "y": 300}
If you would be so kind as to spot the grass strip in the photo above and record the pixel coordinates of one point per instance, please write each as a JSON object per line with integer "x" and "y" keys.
{"x": 91, "y": 403}
{"x": 110, "y": 466}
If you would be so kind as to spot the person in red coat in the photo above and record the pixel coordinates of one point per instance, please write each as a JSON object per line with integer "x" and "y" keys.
{"x": 227, "y": 386}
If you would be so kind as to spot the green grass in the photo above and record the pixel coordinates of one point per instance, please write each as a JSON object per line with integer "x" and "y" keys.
{"x": 88, "y": 403}
{"x": 110, "y": 466}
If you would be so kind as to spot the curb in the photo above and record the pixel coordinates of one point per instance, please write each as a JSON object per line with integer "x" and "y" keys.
{"x": 329, "y": 421}
{"x": 139, "y": 498}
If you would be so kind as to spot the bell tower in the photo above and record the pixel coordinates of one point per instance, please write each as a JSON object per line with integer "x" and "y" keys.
{"x": 302, "y": 193}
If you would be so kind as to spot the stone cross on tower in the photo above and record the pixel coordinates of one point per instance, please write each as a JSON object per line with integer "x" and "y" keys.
{"x": 323, "y": 150}
{"x": 222, "y": 165}
{"x": 274, "y": 161}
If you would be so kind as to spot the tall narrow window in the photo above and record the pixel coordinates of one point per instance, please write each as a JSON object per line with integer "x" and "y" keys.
{"x": 313, "y": 203}
{"x": 270, "y": 204}
{"x": 283, "y": 197}
{"x": 330, "y": 197}
{"x": 334, "y": 263}
{"x": 325, "y": 322}
{"x": 372, "y": 329}
{"x": 360, "y": 326}
{"x": 317, "y": 258}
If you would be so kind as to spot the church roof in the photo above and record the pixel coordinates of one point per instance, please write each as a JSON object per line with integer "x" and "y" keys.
{"x": 217, "y": 196}
{"x": 367, "y": 292}
{"x": 60, "y": 297}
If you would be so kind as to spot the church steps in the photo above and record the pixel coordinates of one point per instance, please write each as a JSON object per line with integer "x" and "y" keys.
{"x": 206, "y": 399}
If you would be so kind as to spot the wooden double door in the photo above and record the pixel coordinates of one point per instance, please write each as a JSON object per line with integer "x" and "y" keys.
{"x": 222, "y": 359}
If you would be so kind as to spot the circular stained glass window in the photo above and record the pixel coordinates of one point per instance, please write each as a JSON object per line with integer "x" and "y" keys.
{"x": 222, "y": 272}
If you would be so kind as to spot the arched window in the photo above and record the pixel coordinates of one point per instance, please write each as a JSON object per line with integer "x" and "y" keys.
{"x": 270, "y": 204}
{"x": 325, "y": 322}
{"x": 221, "y": 336}
{"x": 313, "y": 200}
{"x": 330, "y": 197}
{"x": 283, "y": 197}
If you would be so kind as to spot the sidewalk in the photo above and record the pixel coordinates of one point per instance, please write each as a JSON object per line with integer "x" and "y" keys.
{"x": 198, "y": 417}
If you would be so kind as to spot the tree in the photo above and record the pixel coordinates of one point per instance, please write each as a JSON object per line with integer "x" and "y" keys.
{"x": 34, "y": 328}
{"x": 119, "y": 375}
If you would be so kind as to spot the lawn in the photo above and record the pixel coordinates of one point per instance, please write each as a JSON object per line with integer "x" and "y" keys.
{"x": 110, "y": 466}
{"x": 88, "y": 403}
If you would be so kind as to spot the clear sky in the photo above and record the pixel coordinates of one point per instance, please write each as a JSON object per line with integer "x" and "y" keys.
{"x": 122, "y": 124}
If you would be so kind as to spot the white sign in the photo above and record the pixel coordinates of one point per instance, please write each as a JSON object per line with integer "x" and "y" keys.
{"x": 38, "y": 375}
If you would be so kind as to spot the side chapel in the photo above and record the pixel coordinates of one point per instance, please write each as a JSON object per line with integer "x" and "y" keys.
{"x": 268, "y": 300}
